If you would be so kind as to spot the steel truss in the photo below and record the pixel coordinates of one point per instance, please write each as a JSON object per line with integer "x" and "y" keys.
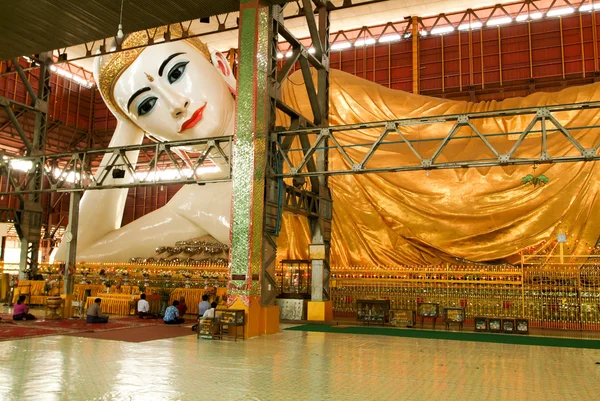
{"x": 75, "y": 171}
{"x": 315, "y": 203}
{"x": 29, "y": 223}
{"x": 543, "y": 122}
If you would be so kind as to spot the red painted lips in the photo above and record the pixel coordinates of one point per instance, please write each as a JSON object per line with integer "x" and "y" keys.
{"x": 194, "y": 119}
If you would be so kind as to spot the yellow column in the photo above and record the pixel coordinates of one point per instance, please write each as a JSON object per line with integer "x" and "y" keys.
{"x": 415, "y": 54}
{"x": 259, "y": 319}
{"x": 320, "y": 311}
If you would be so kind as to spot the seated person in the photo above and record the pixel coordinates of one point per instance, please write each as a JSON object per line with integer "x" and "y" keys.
{"x": 202, "y": 307}
{"x": 21, "y": 311}
{"x": 182, "y": 307}
{"x": 94, "y": 313}
{"x": 210, "y": 313}
{"x": 172, "y": 314}
{"x": 143, "y": 308}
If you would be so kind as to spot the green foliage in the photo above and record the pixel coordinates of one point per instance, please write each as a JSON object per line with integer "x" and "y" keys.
{"x": 163, "y": 289}
{"x": 539, "y": 180}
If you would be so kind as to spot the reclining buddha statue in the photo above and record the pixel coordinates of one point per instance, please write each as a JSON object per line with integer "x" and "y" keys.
{"x": 179, "y": 90}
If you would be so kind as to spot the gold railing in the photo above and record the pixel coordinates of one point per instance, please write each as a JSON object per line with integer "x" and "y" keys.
{"x": 548, "y": 293}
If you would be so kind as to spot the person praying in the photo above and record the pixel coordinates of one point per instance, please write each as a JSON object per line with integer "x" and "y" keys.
{"x": 94, "y": 313}
{"x": 172, "y": 314}
{"x": 143, "y": 308}
{"x": 21, "y": 311}
{"x": 210, "y": 313}
{"x": 182, "y": 307}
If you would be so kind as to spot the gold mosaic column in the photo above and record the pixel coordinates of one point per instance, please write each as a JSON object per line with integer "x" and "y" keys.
{"x": 248, "y": 249}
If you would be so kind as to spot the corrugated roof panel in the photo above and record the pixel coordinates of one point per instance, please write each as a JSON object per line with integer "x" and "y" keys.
{"x": 33, "y": 26}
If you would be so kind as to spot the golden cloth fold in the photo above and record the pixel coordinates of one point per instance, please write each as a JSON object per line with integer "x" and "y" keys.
{"x": 479, "y": 214}
{"x": 113, "y": 306}
{"x": 79, "y": 290}
{"x": 32, "y": 289}
{"x": 193, "y": 297}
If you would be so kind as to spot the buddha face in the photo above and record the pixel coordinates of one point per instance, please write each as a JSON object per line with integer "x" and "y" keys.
{"x": 172, "y": 92}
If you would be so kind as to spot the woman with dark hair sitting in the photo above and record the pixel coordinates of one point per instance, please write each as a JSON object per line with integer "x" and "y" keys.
{"x": 21, "y": 311}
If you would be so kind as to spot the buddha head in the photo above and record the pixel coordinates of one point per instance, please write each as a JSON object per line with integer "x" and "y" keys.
{"x": 171, "y": 91}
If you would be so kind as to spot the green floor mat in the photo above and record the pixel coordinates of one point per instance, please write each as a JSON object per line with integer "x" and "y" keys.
{"x": 518, "y": 339}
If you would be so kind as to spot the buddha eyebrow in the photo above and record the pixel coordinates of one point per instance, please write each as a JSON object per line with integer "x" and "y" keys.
{"x": 164, "y": 63}
{"x": 136, "y": 94}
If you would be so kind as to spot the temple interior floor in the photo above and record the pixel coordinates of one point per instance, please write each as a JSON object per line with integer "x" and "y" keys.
{"x": 293, "y": 365}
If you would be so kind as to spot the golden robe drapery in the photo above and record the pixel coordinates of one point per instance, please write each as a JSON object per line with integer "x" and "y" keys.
{"x": 479, "y": 214}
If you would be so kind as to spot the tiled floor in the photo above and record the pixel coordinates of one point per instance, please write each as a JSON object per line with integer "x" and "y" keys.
{"x": 293, "y": 366}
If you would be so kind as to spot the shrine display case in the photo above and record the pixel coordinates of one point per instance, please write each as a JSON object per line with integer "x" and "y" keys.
{"x": 373, "y": 310}
{"x": 453, "y": 315}
{"x": 208, "y": 328}
{"x": 495, "y": 325}
{"x": 403, "y": 317}
{"x": 481, "y": 324}
{"x": 508, "y": 326}
{"x": 228, "y": 318}
{"x": 522, "y": 326}
{"x": 428, "y": 310}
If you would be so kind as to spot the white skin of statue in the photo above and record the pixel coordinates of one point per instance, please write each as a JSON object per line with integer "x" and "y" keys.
{"x": 172, "y": 93}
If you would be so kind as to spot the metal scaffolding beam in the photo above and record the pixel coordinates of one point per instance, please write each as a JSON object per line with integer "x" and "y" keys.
{"x": 75, "y": 171}
{"x": 259, "y": 196}
{"x": 544, "y": 123}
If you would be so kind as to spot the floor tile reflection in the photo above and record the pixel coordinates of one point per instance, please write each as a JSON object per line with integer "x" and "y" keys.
{"x": 292, "y": 366}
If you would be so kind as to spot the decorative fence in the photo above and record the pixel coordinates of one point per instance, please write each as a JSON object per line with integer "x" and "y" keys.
{"x": 549, "y": 293}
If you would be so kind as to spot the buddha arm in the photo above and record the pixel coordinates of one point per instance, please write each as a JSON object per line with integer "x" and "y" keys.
{"x": 193, "y": 211}
{"x": 101, "y": 211}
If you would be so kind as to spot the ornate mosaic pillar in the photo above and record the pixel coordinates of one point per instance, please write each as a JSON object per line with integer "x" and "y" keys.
{"x": 248, "y": 249}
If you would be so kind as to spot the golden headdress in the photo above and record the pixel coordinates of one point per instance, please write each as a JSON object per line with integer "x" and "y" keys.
{"x": 114, "y": 67}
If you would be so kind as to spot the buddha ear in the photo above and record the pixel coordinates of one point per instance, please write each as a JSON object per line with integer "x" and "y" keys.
{"x": 222, "y": 65}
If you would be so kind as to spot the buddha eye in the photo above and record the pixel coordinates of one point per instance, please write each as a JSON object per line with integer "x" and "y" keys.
{"x": 177, "y": 71}
{"x": 146, "y": 106}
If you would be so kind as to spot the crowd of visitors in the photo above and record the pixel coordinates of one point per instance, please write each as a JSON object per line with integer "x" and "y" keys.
{"x": 174, "y": 314}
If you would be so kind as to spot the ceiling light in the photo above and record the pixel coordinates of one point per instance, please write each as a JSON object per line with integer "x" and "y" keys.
{"x": 312, "y": 50}
{"x": 341, "y": 46}
{"x": 499, "y": 21}
{"x": 364, "y": 42}
{"x": 529, "y": 17}
{"x": 279, "y": 56}
{"x": 395, "y": 37}
{"x": 120, "y": 31}
{"x": 289, "y": 54}
{"x": 21, "y": 165}
{"x": 560, "y": 11}
{"x": 73, "y": 77}
{"x": 472, "y": 25}
{"x": 589, "y": 7}
{"x": 442, "y": 30}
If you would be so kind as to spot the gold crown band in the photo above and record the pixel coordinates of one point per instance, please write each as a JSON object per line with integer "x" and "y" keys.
{"x": 119, "y": 62}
